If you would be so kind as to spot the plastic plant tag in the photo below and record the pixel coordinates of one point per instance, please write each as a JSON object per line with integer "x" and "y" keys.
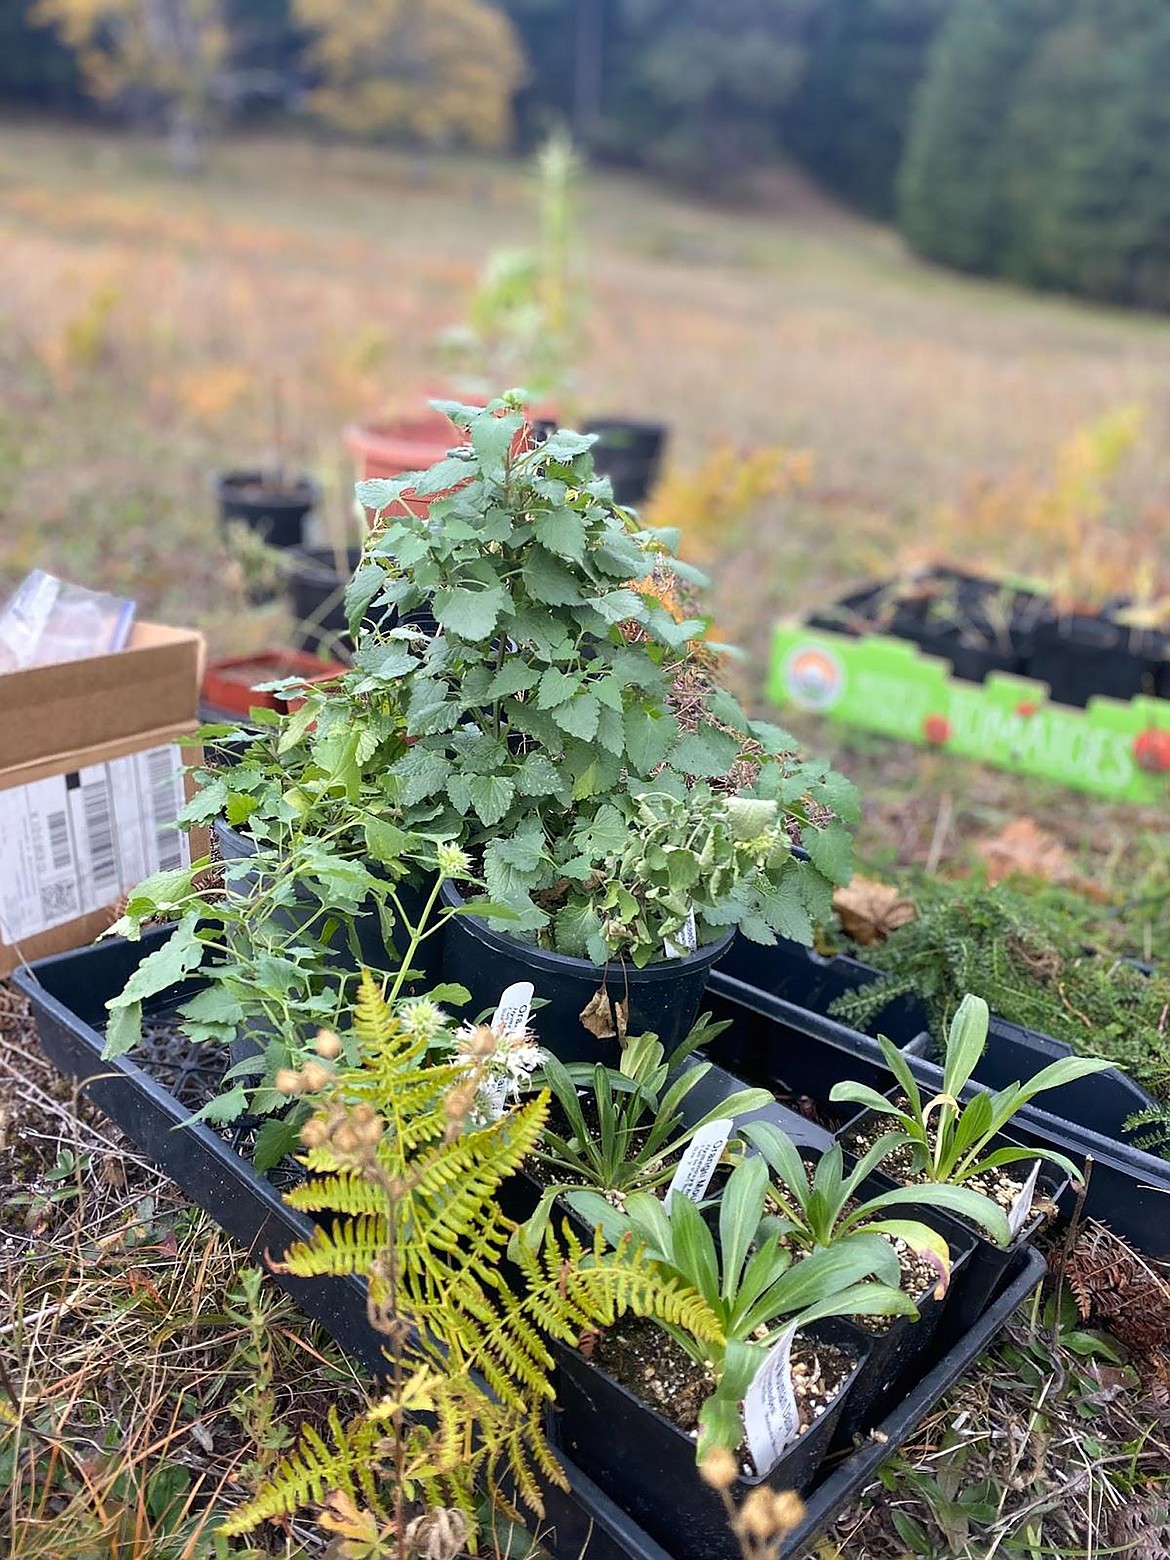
{"x": 770, "y": 1415}
{"x": 685, "y": 940}
{"x": 513, "y": 1008}
{"x": 1022, "y": 1207}
{"x": 697, "y": 1165}
{"x": 492, "y": 1096}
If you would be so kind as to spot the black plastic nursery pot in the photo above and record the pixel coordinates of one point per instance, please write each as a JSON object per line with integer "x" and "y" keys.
{"x": 989, "y": 1263}
{"x": 967, "y": 637}
{"x": 273, "y": 507}
{"x": 232, "y": 845}
{"x": 664, "y": 997}
{"x": 317, "y": 596}
{"x": 800, "y": 1055}
{"x": 68, "y": 994}
{"x": 1102, "y": 1102}
{"x": 629, "y": 454}
{"x": 1081, "y": 657}
{"x": 647, "y": 1464}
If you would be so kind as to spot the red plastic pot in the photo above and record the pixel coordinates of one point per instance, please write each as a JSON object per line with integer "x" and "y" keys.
{"x": 229, "y": 684}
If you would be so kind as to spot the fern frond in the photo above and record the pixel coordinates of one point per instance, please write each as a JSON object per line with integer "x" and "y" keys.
{"x": 348, "y": 1462}
{"x": 345, "y": 1248}
{"x": 342, "y": 1192}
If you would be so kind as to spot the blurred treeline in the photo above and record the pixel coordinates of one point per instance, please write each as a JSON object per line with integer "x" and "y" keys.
{"x": 1023, "y": 138}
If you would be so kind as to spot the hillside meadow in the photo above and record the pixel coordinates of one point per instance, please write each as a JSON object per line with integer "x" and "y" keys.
{"x": 150, "y": 328}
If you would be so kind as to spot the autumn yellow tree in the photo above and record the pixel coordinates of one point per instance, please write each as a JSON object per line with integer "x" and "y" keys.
{"x": 170, "y": 54}
{"x": 437, "y": 71}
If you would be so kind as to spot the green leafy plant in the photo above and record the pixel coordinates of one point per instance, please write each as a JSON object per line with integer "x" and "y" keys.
{"x": 639, "y": 1134}
{"x": 826, "y": 1208}
{"x": 411, "y": 1190}
{"x": 950, "y": 1141}
{"x": 524, "y": 321}
{"x": 277, "y": 945}
{"x": 1043, "y": 960}
{"x": 566, "y": 706}
{"x": 750, "y": 1282}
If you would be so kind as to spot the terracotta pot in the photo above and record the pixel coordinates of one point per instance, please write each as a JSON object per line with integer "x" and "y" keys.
{"x": 401, "y": 444}
{"x": 229, "y": 683}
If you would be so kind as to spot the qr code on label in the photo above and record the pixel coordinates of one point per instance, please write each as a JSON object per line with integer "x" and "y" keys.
{"x": 58, "y": 902}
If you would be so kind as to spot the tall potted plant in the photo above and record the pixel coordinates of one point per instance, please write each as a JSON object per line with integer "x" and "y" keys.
{"x": 566, "y": 725}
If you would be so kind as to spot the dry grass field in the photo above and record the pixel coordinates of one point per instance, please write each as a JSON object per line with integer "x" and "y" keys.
{"x": 147, "y": 326}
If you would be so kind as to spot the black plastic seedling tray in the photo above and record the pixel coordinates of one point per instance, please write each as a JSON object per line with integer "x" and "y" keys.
{"x": 779, "y": 1045}
{"x": 1101, "y": 1103}
{"x": 68, "y": 995}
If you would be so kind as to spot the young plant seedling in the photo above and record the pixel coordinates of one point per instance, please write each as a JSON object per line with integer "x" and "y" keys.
{"x": 826, "y": 1209}
{"x": 628, "y": 1102}
{"x": 951, "y": 1142}
{"x": 751, "y": 1284}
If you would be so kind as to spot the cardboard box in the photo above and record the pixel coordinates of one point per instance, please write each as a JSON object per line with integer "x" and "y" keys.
{"x": 91, "y": 754}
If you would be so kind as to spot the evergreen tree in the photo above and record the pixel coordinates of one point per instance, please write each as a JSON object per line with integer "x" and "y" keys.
{"x": 1040, "y": 147}
{"x": 848, "y": 121}
{"x": 952, "y": 195}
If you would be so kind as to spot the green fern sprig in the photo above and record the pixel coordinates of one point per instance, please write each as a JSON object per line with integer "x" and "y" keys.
{"x": 417, "y": 1217}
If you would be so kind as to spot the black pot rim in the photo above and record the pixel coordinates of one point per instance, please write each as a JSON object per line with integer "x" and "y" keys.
{"x": 547, "y": 959}
{"x": 302, "y": 488}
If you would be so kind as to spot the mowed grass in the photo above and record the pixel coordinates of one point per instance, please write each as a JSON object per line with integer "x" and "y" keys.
{"x": 149, "y": 325}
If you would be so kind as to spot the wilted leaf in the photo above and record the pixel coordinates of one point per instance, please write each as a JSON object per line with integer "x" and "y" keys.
{"x": 600, "y": 1015}
{"x": 869, "y": 911}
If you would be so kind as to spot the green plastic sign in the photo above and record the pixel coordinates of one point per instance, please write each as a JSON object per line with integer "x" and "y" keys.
{"x": 885, "y": 685}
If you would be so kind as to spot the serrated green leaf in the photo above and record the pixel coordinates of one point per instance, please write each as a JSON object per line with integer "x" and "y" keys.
{"x": 385, "y": 843}
{"x": 364, "y": 585}
{"x": 648, "y": 739}
{"x": 706, "y": 753}
{"x": 515, "y": 676}
{"x": 538, "y": 776}
{"x": 831, "y": 851}
{"x": 472, "y": 614}
{"x": 549, "y": 581}
{"x": 576, "y": 924}
{"x": 557, "y": 687}
{"x": 207, "y": 803}
{"x": 451, "y": 472}
{"x": 563, "y": 532}
{"x": 422, "y": 774}
{"x": 492, "y": 438}
{"x": 579, "y": 716}
{"x": 179, "y": 956}
{"x": 279, "y": 1137}
{"x": 491, "y": 796}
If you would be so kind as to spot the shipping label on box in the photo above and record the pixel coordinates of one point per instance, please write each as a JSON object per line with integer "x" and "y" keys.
{"x": 74, "y": 843}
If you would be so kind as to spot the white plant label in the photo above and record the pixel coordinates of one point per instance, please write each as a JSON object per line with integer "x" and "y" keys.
{"x": 72, "y": 844}
{"x": 697, "y": 1165}
{"x": 684, "y": 941}
{"x": 1022, "y": 1207}
{"x": 513, "y": 1008}
{"x": 770, "y": 1415}
{"x": 493, "y": 1097}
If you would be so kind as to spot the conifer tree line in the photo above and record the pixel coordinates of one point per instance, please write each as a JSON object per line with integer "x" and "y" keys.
{"x": 1027, "y": 139}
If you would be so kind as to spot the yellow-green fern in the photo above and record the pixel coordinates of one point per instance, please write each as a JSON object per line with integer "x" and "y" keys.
{"x": 413, "y": 1190}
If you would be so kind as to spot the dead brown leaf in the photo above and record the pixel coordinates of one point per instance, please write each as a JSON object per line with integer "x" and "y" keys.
{"x": 1023, "y": 849}
{"x": 869, "y": 911}
{"x": 604, "y": 1018}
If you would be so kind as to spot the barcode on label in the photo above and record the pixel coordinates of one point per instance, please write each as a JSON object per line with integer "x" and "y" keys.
{"x": 164, "y": 802}
{"x": 59, "y": 847}
{"x": 99, "y": 830}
